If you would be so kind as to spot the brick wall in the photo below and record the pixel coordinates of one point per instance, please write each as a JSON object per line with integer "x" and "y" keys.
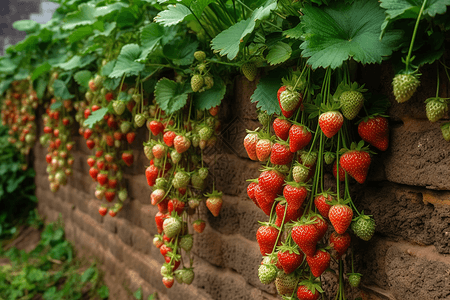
{"x": 407, "y": 192}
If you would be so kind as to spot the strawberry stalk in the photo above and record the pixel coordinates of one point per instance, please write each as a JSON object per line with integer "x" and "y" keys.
{"x": 411, "y": 45}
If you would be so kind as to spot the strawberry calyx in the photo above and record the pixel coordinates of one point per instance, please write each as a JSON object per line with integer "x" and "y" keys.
{"x": 288, "y": 248}
{"x": 345, "y": 87}
{"x": 299, "y": 184}
{"x": 311, "y": 285}
{"x": 371, "y": 116}
{"x": 358, "y": 147}
{"x": 362, "y": 216}
{"x": 214, "y": 194}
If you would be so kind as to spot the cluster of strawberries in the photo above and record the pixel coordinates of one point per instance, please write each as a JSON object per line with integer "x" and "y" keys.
{"x": 290, "y": 188}
{"x": 17, "y": 112}
{"x": 177, "y": 175}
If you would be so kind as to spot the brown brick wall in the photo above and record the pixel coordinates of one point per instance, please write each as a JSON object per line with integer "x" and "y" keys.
{"x": 407, "y": 193}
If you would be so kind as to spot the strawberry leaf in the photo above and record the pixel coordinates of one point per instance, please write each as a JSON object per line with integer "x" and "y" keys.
{"x": 150, "y": 37}
{"x": 265, "y": 94}
{"x": 339, "y": 32}
{"x": 29, "y": 26}
{"x": 85, "y": 15}
{"x": 126, "y": 64}
{"x": 107, "y": 9}
{"x": 45, "y": 67}
{"x": 409, "y": 9}
{"x": 61, "y": 90}
{"x": 173, "y": 15}
{"x": 171, "y": 96}
{"x": 82, "y": 78}
{"x": 95, "y": 117}
{"x": 80, "y": 33}
{"x": 212, "y": 97}
{"x": 77, "y": 62}
{"x": 279, "y": 53}
{"x": 295, "y": 33}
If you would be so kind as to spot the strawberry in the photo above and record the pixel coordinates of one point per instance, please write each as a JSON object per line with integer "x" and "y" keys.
{"x": 200, "y": 55}
{"x": 305, "y": 293}
{"x": 157, "y": 195}
{"x": 125, "y": 127}
{"x": 289, "y": 214}
{"x": 264, "y": 199}
{"x": 168, "y": 281}
{"x": 351, "y": 103}
{"x": 197, "y": 82}
{"x": 112, "y": 182}
{"x": 289, "y": 101}
{"x": 130, "y": 137}
{"x": 112, "y": 213}
{"x": 139, "y": 120}
{"x": 266, "y": 236}
{"x": 319, "y": 262}
{"x": 264, "y": 118}
{"x": 340, "y": 242}
{"x": 119, "y": 107}
{"x": 322, "y": 203}
{"x": 299, "y": 137}
{"x": 199, "y": 225}
{"x": 321, "y": 225}
{"x": 330, "y": 122}
{"x": 156, "y": 127}
{"x": 250, "y": 70}
{"x": 214, "y": 110}
{"x": 364, "y": 227}
{"x": 267, "y": 273}
{"x": 250, "y": 141}
{"x": 286, "y": 283}
{"x": 404, "y": 86}
{"x": 181, "y": 143}
{"x": 306, "y": 237}
{"x": 281, "y": 128}
{"x": 93, "y": 172}
{"x": 295, "y": 194}
{"x": 263, "y": 149}
{"x": 251, "y": 192}
{"x": 151, "y": 173}
{"x": 340, "y": 216}
{"x": 127, "y": 157}
{"x": 110, "y": 194}
{"x": 180, "y": 179}
{"x": 186, "y": 242}
{"x": 90, "y": 144}
{"x": 159, "y": 150}
{"x": 171, "y": 227}
{"x": 159, "y": 220}
{"x": 103, "y": 210}
{"x": 356, "y": 163}
{"x": 214, "y": 202}
{"x": 445, "y": 130}
{"x": 341, "y": 171}
{"x": 375, "y": 131}
{"x": 109, "y": 139}
{"x": 168, "y": 138}
{"x": 102, "y": 178}
{"x": 354, "y": 279}
{"x": 289, "y": 258}
{"x": 436, "y": 108}
{"x": 300, "y": 173}
{"x": 271, "y": 181}
{"x": 112, "y": 123}
{"x": 281, "y": 155}
{"x": 91, "y": 161}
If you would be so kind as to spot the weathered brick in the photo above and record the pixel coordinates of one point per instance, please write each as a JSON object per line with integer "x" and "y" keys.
{"x": 110, "y": 224}
{"x": 141, "y": 240}
{"x": 115, "y": 246}
{"x": 138, "y": 188}
{"x": 124, "y": 231}
{"x": 148, "y": 213}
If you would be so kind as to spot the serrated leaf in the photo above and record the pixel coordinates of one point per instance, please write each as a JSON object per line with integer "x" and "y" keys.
{"x": 95, "y": 117}
{"x": 107, "y": 29}
{"x": 173, "y": 15}
{"x": 126, "y": 64}
{"x": 108, "y": 68}
{"x": 212, "y": 97}
{"x": 199, "y": 6}
{"x": 150, "y": 37}
{"x": 85, "y": 15}
{"x": 87, "y": 274}
{"x": 339, "y": 32}
{"x": 295, "y": 33}
{"x": 26, "y": 25}
{"x": 29, "y": 42}
{"x": 182, "y": 53}
{"x": 170, "y": 95}
{"x": 265, "y": 95}
{"x": 77, "y": 62}
{"x": 410, "y": 8}
{"x": 4, "y": 85}
{"x": 61, "y": 90}
{"x": 40, "y": 86}
{"x": 279, "y": 53}
{"x": 83, "y": 77}
{"x": 111, "y": 83}
{"x": 56, "y": 105}
{"x": 80, "y": 33}
{"x": 107, "y": 9}
{"x": 103, "y": 292}
{"x": 45, "y": 67}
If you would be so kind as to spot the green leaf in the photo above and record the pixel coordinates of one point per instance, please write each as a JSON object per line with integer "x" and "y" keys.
{"x": 339, "y": 32}
{"x": 87, "y": 274}
{"x": 26, "y": 25}
{"x": 107, "y": 9}
{"x": 95, "y": 117}
{"x": 107, "y": 29}
{"x": 27, "y": 43}
{"x": 212, "y": 97}
{"x": 126, "y": 17}
{"x": 35, "y": 275}
{"x": 138, "y": 294}
{"x": 103, "y": 292}
{"x": 126, "y": 64}
{"x": 173, "y": 15}
{"x": 56, "y": 105}
{"x": 45, "y": 67}
{"x": 83, "y": 77}
{"x": 410, "y": 8}
{"x": 40, "y": 87}
{"x": 182, "y": 53}
{"x": 108, "y": 68}
{"x": 4, "y": 85}
{"x": 295, "y": 33}
{"x": 61, "y": 90}
{"x": 150, "y": 37}
{"x": 77, "y": 62}
{"x": 265, "y": 95}
{"x": 279, "y": 53}
{"x": 170, "y": 95}
{"x": 85, "y": 15}
{"x": 80, "y": 33}
{"x": 199, "y": 6}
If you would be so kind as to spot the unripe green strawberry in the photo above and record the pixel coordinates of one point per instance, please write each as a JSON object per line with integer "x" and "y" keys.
{"x": 436, "y": 108}
{"x": 123, "y": 194}
{"x": 351, "y": 103}
{"x": 445, "y": 129}
{"x": 404, "y": 86}
{"x": 205, "y": 133}
{"x": 176, "y": 157}
{"x": 188, "y": 275}
{"x": 285, "y": 283}
{"x": 197, "y": 182}
{"x": 161, "y": 183}
{"x": 289, "y": 99}
{"x": 171, "y": 227}
{"x": 180, "y": 179}
{"x": 195, "y": 140}
{"x": 148, "y": 152}
{"x": 309, "y": 158}
{"x": 200, "y": 55}
{"x": 364, "y": 227}
{"x": 125, "y": 127}
{"x": 119, "y": 107}
{"x": 267, "y": 273}
{"x": 300, "y": 173}
{"x": 139, "y": 120}
{"x": 354, "y": 279}
{"x": 264, "y": 118}
{"x": 203, "y": 173}
{"x": 186, "y": 242}
{"x": 329, "y": 157}
{"x": 197, "y": 82}
{"x": 209, "y": 82}
{"x": 249, "y": 70}
{"x": 179, "y": 276}
{"x": 165, "y": 269}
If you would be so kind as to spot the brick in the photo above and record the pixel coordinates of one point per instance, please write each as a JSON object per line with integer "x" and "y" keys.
{"x": 240, "y": 104}
{"x": 148, "y": 213}
{"x": 110, "y": 224}
{"x": 86, "y": 223}
{"x": 115, "y": 246}
{"x": 208, "y": 246}
{"x": 93, "y": 205}
{"x": 131, "y": 212}
{"x": 142, "y": 241}
{"x": 124, "y": 231}
{"x": 138, "y": 188}
{"x": 249, "y": 215}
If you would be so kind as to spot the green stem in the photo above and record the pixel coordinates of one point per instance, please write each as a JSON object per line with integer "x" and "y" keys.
{"x": 437, "y": 88}
{"x": 201, "y": 25}
{"x": 245, "y": 6}
{"x": 281, "y": 228}
{"x": 411, "y": 45}
{"x": 223, "y": 63}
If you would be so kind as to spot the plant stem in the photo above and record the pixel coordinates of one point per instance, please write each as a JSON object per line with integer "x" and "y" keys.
{"x": 411, "y": 45}
{"x": 437, "y": 88}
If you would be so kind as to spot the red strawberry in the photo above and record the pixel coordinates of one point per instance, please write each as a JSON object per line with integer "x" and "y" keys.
{"x": 340, "y": 242}
{"x": 87, "y": 133}
{"x": 264, "y": 199}
{"x": 168, "y": 138}
{"x": 110, "y": 194}
{"x": 250, "y": 141}
{"x": 299, "y": 137}
{"x": 164, "y": 249}
{"x": 109, "y": 140}
{"x": 319, "y": 262}
{"x": 112, "y": 213}
{"x": 292, "y": 214}
{"x": 156, "y": 127}
{"x": 112, "y": 183}
{"x": 117, "y": 135}
{"x": 168, "y": 281}
{"x": 214, "y": 202}
{"x": 322, "y": 201}
{"x": 281, "y": 155}
{"x": 112, "y": 123}
{"x": 103, "y": 211}
{"x": 175, "y": 205}
{"x": 48, "y": 158}
{"x": 266, "y": 236}
{"x": 251, "y": 192}
{"x": 102, "y": 178}
{"x": 271, "y": 181}
{"x": 130, "y": 137}
{"x": 290, "y": 113}
{"x": 341, "y": 171}
{"x": 181, "y": 143}
{"x": 199, "y": 225}
{"x": 101, "y": 164}
{"x": 159, "y": 219}
{"x": 330, "y": 122}
{"x": 109, "y": 96}
{"x": 356, "y": 163}
{"x": 127, "y": 157}
{"x": 158, "y": 150}
{"x": 289, "y": 258}
{"x": 109, "y": 157}
{"x": 294, "y": 194}
{"x": 375, "y": 131}
{"x": 281, "y": 128}
{"x": 93, "y": 172}
{"x": 340, "y": 216}
{"x": 304, "y": 293}
{"x": 91, "y": 161}
{"x": 163, "y": 206}
{"x": 263, "y": 149}
{"x": 151, "y": 173}
{"x": 306, "y": 237}
{"x": 90, "y": 144}
{"x": 321, "y": 225}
